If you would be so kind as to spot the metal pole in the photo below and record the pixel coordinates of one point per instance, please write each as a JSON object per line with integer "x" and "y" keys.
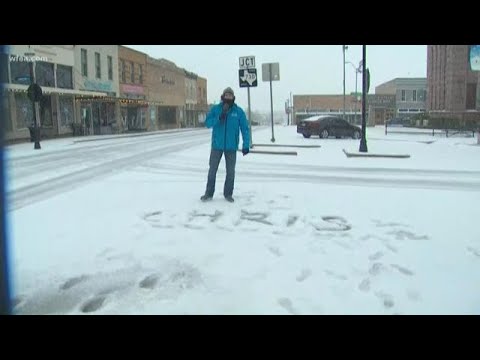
{"x": 36, "y": 130}
{"x": 343, "y": 81}
{"x": 249, "y": 117}
{"x": 356, "y": 94}
{"x": 288, "y": 112}
{"x": 363, "y": 141}
{"x": 271, "y": 98}
{"x": 291, "y": 105}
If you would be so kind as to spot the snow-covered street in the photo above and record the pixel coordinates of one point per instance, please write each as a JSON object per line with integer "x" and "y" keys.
{"x": 115, "y": 226}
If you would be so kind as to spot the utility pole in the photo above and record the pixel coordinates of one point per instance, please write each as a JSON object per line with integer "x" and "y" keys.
{"x": 363, "y": 141}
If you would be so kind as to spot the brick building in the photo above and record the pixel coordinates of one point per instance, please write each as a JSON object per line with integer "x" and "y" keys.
{"x": 309, "y": 105}
{"x": 166, "y": 84}
{"x": 453, "y": 89}
{"x": 190, "y": 118}
{"x": 202, "y": 104}
{"x": 132, "y": 69}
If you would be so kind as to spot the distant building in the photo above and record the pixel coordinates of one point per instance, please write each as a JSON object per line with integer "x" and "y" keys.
{"x": 399, "y": 97}
{"x": 305, "y": 106}
{"x": 410, "y": 95}
{"x": 166, "y": 86}
{"x": 202, "y": 105}
{"x": 381, "y": 108}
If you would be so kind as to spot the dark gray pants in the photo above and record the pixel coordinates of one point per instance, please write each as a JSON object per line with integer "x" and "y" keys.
{"x": 230, "y": 160}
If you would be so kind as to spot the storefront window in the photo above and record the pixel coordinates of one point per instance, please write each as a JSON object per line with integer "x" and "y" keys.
{"x": 66, "y": 111}
{"x": 64, "y": 77}
{"x": 6, "y": 113}
{"x": 44, "y": 74}
{"x": 20, "y": 72}
{"x": 143, "y": 114}
{"x": 46, "y": 111}
{"x": 24, "y": 111}
{"x": 111, "y": 113}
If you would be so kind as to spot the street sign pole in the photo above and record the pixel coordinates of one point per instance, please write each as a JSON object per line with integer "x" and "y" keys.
{"x": 271, "y": 99}
{"x": 271, "y": 72}
{"x": 248, "y": 78}
{"x": 250, "y": 118}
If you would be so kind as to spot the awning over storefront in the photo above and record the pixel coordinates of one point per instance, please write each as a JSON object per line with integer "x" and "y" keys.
{"x": 83, "y": 95}
{"x": 128, "y": 101}
{"x": 50, "y": 90}
{"x": 123, "y": 101}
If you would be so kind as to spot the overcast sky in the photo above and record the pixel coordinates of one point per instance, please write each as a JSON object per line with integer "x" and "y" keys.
{"x": 304, "y": 69}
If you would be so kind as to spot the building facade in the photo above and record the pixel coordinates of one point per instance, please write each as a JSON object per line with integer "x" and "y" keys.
{"x": 381, "y": 108}
{"x": 453, "y": 88}
{"x": 166, "y": 84}
{"x": 410, "y": 95}
{"x": 132, "y": 70}
{"x": 97, "y": 89}
{"x": 96, "y": 69}
{"x": 305, "y": 106}
{"x": 190, "y": 119}
{"x": 202, "y": 103}
{"x": 52, "y": 67}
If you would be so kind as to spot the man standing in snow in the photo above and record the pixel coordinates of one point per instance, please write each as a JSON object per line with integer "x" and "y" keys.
{"x": 227, "y": 120}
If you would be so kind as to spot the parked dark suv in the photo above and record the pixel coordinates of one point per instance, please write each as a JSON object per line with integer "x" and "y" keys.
{"x": 326, "y": 126}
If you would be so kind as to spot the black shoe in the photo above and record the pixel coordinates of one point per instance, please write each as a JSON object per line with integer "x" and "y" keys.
{"x": 206, "y": 198}
{"x": 229, "y": 199}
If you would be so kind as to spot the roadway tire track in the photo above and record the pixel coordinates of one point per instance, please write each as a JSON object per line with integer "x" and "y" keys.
{"x": 337, "y": 179}
{"x": 48, "y": 188}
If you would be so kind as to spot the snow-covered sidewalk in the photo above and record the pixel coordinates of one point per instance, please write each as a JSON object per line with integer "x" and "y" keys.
{"x": 317, "y": 233}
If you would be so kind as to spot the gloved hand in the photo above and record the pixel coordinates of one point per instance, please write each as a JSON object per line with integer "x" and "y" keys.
{"x": 245, "y": 151}
{"x": 223, "y": 115}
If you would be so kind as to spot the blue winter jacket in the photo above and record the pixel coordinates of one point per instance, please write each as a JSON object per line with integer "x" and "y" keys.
{"x": 226, "y": 136}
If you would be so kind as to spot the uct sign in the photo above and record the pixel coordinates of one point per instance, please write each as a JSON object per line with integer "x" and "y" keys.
{"x": 247, "y": 62}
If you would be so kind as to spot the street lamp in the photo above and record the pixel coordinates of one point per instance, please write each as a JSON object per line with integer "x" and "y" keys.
{"x": 357, "y": 71}
{"x": 344, "y": 48}
{"x": 287, "y": 110}
{"x": 36, "y": 131}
